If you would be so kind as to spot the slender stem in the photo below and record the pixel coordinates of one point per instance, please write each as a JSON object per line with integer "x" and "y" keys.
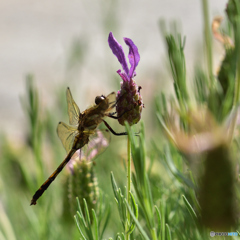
{"x": 128, "y": 187}
{"x": 208, "y": 42}
{"x": 153, "y": 233}
{"x": 236, "y": 98}
{"x": 237, "y": 47}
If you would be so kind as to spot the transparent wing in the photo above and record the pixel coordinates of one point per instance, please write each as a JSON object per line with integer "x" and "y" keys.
{"x": 73, "y": 109}
{"x": 112, "y": 101}
{"x": 98, "y": 143}
{"x": 67, "y": 135}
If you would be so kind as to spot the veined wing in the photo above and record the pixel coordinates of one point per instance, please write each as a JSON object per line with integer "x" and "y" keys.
{"x": 98, "y": 143}
{"x": 111, "y": 100}
{"x": 67, "y": 135}
{"x": 73, "y": 109}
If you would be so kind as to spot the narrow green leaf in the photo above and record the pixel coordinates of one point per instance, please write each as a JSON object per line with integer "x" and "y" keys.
{"x": 122, "y": 237}
{"x": 164, "y": 126}
{"x": 80, "y": 214}
{"x": 159, "y": 221}
{"x": 169, "y": 237}
{"x": 95, "y": 224}
{"x": 122, "y": 209}
{"x": 87, "y": 215}
{"x": 79, "y": 206}
{"x": 81, "y": 219}
{"x": 136, "y": 187}
{"x": 131, "y": 228}
{"x": 149, "y": 193}
{"x": 107, "y": 212}
{"x": 87, "y": 218}
{"x": 179, "y": 176}
{"x": 162, "y": 211}
{"x": 136, "y": 222}
{"x": 119, "y": 199}
{"x": 135, "y": 209}
{"x": 190, "y": 209}
{"x": 114, "y": 186}
{"x": 79, "y": 228}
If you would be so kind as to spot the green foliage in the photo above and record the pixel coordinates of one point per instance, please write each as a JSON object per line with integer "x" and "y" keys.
{"x": 32, "y": 107}
{"x": 91, "y": 229}
{"x": 178, "y": 66}
{"x": 123, "y": 206}
{"x": 184, "y": 182}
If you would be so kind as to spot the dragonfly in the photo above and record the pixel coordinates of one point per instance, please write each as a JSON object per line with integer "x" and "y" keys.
{"x": 81, "y": 132}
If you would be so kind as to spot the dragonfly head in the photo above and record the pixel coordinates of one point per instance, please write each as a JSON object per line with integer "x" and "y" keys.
{"x": 99, "y": 99}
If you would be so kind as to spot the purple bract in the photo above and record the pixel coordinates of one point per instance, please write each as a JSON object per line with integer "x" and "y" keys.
{"x": 129, "y": 101}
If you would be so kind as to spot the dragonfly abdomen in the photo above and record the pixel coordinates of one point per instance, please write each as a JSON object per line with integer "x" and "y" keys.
{"x": 46, "y": 184}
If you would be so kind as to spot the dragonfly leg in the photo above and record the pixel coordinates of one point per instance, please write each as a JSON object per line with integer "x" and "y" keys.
{"x": 112, "y": 131}
{"x": 117, "y": 134}
{"x": 116, "y": 117}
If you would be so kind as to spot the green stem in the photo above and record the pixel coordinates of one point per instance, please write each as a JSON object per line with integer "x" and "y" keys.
{"x": 236, "y": 99}
{"x": 153, "y": 233}
{"x": 237, "y": 47}
{"x": 128, "y": 187}
{"x": 208, "y": 42}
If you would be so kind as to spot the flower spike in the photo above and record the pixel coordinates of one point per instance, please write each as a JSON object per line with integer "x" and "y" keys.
{"x": 129, "y": 100}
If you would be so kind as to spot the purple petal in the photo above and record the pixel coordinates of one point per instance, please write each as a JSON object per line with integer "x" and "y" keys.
{"x": 124, "y": 76}
{"x": 118, "y": 52}
{"x": 133, "y": 56}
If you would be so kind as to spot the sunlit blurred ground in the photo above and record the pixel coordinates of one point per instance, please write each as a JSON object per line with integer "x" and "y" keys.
{"x": 37, "y": 37}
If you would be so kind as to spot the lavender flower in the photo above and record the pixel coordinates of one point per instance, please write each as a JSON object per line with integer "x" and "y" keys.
{"x": 129, "y": 101}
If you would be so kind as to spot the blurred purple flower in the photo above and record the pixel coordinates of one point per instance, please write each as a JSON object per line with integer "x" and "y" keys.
{"x": 129, "y": 100}
{"x": 98, "y": 143}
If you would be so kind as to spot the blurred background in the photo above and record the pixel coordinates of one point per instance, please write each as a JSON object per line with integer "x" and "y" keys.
{"x": 41, "y": 38}
{"x": 60, "y": 44}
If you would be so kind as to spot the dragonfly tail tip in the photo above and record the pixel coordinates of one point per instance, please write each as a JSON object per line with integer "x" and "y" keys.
{"x": 33, "y": 202}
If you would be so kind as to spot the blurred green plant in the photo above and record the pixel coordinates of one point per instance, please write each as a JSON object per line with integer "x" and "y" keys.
{"x": 82, "y": 183}
{"x": 181, "y": 189}
{"x": 31, "y": 106}
{"x": 199, "y": 139}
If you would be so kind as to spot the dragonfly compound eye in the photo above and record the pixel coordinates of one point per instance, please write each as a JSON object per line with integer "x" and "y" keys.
{"x": 99, "y": 99}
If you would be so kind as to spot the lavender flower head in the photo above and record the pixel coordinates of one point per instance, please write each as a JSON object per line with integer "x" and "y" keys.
{"x": 129, "y": 101}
